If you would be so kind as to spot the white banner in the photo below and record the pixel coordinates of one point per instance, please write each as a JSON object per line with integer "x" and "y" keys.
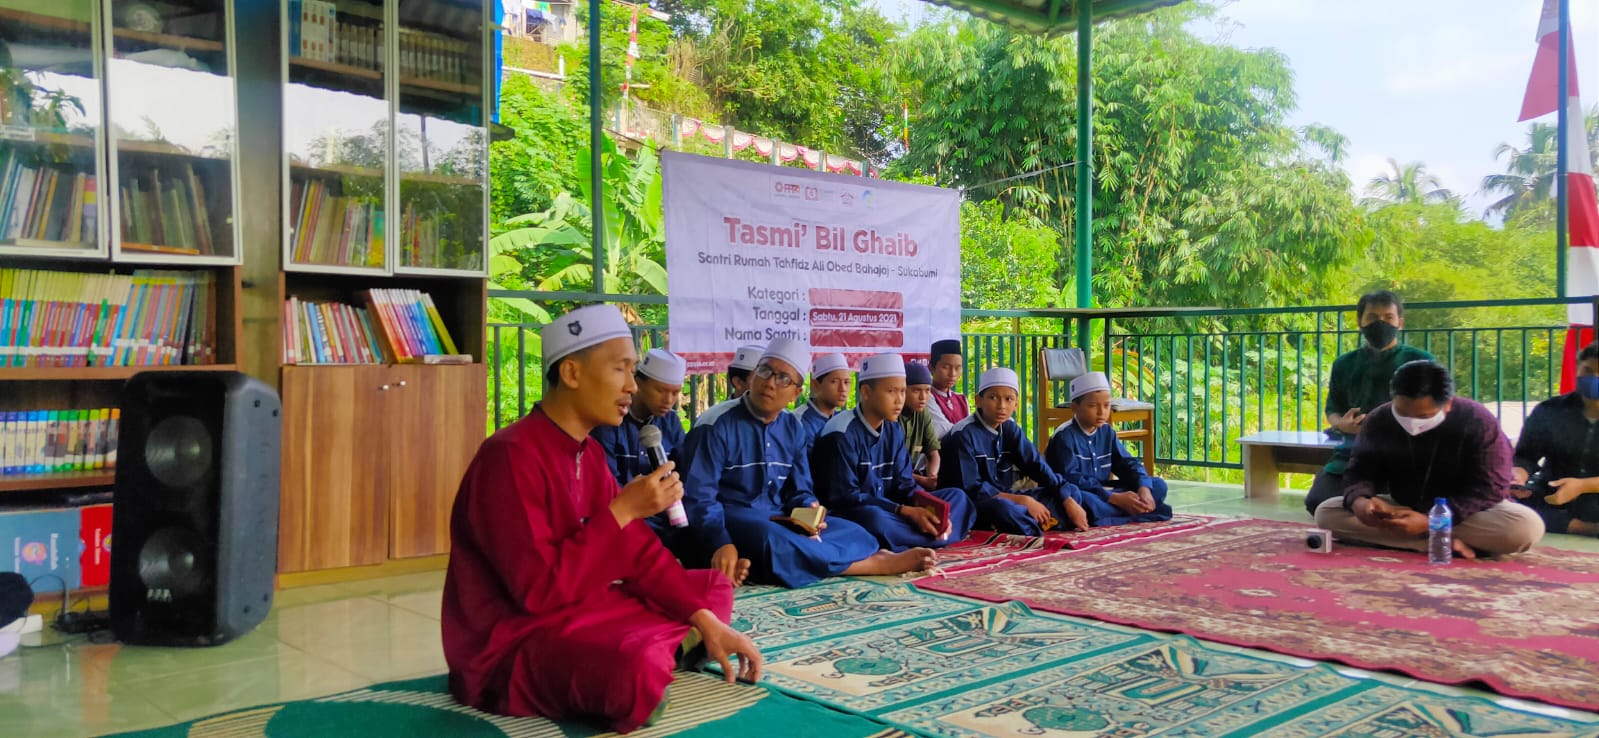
{"x": 852, "y": 265}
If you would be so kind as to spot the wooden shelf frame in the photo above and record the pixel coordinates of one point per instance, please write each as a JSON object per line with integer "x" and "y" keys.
{"x": 58, "y": 480}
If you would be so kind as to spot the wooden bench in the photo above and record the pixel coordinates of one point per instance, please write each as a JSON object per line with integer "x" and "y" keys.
{"x": 1270, "y": 453}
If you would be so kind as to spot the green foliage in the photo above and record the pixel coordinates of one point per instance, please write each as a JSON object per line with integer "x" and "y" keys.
{"x": 1005, "y": 263}
{"x": 655, "y": 81}
{"x": 806, "y": 71}
{"x": 1203, "y": 196}
{"x": 530, "y": 170}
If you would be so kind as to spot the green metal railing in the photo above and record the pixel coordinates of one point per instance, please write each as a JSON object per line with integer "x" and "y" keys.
{"x": 1213, "y": 375}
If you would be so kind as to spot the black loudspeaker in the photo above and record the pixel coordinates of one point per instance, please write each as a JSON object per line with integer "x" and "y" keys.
{"x": 195, "y": 514}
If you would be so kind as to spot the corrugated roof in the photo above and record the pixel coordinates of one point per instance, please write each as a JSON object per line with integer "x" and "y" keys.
{"x": 1049, "y": 16}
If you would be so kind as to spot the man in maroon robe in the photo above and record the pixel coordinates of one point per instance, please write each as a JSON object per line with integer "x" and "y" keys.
{"x": 559, "y": 601}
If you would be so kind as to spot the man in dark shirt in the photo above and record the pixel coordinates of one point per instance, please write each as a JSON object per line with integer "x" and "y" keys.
{"x": 1561, "y": 441}
{"x": 1428, "y": 444}
{"x": 1359, "y": 383}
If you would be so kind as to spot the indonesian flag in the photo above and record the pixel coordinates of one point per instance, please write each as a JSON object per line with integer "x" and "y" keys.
{"x": 1582, "y": 253}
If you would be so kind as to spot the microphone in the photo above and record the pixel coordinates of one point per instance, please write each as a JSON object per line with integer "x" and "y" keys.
{"x": 650, "y": 438}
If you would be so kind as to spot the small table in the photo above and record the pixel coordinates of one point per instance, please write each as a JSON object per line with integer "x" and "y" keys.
{"x": 1144, "y": 415}
{"x": 1270, "y": 453}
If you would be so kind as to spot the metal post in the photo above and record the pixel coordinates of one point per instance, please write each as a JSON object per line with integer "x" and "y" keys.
{"x": 1085, "y": 163}
{"x": 596, "y": 147}
{"x": 1562, "y": 152}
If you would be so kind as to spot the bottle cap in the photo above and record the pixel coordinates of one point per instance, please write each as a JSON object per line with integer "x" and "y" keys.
{"x": 1440, "y": 501}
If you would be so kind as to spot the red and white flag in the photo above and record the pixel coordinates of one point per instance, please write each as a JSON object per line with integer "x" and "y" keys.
{"x": 1582, "y": 252}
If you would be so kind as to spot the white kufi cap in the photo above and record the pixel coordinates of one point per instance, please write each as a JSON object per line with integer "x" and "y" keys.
{"x": 998, "y": 377}
{"x": 664, "y": 366}
{"x": 746, "y": 358}
{"x": 1090, "y": 382}
{"x": 827, "y": 364}
{"x": 795, "y": 353}
{"x": 882, "y": 366}
{"x": 580, "y": 329}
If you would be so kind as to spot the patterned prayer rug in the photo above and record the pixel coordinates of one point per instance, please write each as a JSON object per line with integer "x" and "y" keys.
{"x": 1002, "y": 670}
{"x": 1526, "y": 626}
{"x": 984, "y": 548}
{"x": 700, "y": 706}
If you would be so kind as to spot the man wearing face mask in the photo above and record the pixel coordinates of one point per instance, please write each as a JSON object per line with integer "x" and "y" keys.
{"x": 1359, "y": 383}
{"x": 1561, "y": 442}
{"x": 1424, "y": 445}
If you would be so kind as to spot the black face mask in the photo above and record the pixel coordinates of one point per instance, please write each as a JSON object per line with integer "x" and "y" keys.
{"x": 1379, "y": 334}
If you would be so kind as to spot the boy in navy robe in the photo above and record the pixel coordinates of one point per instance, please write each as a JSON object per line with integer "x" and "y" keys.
{"x": 983, "y": 454}
{"x": 747, "y": 464}
{"x": 660, "y": 385}
{"x": 1086, "y": 453}
{"x": 829, "y": 394}
{"x": 863, "y": 470}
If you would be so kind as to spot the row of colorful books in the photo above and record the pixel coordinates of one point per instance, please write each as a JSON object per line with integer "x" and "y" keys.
{"x": 424, "y": 243}
{"x": 328, "y": 333}
{"x": 46, "y": 206}
{"x": 166, "y": 212}
{"x": 72, "y": 543}
{"x": 75, "y": 319}
{"x": 330, "y": 229}
{"x": 57, "y": 441}
{"x": 396, "y": 326}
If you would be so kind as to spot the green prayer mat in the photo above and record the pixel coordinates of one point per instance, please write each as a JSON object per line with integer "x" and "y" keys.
{"x": 940, "y": 666}
{"x": 699, "y": 706}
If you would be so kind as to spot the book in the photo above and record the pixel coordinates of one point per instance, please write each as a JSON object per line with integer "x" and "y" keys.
{"x": 937, "y": 505}
{"x": 57, "y": 441}
{"x": 79, "y": 319}
{"x": 807, "y": 520}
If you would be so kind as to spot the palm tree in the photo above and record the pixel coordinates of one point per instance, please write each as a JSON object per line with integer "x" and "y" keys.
{"x": 1407, "y": 184}
{"x": 1529, "y": 176}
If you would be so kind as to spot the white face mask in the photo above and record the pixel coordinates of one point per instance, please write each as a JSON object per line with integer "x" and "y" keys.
{"x": 1418, "y": 426}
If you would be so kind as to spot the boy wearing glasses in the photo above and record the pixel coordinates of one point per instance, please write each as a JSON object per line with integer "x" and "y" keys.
{"x": 746, "y": 464}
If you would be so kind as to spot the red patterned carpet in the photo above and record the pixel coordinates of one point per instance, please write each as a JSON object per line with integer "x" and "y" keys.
{"x": 1526, "y": 627}
{"x": 983, "y": 548}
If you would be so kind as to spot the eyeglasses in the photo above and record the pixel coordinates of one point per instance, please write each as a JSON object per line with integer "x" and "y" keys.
{"x": 784, "y": 380}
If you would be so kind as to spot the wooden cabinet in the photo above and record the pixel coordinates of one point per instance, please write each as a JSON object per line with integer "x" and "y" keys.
{"x": 431, "y": 453}
{"x": 373, "y": 456}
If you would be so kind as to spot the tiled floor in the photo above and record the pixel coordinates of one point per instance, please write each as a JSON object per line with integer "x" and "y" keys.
{"x": 321, "y": 640}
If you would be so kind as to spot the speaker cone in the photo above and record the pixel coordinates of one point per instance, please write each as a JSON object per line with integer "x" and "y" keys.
{"x": 178, "y": 451}
{"x": 173, "y": 560}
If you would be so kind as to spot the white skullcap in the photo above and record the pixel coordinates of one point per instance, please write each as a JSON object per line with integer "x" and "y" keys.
{"x": 1090, "y": 382}
{"x": 794, "y": 353}
{"x": 746, "y": 358}
{"x": 827, "y": 364}
{"x": 580, "y": 329}
{"x": 881, "y": 366}
{"x": 663, "y": 366}
{"x": 998, "y": 377}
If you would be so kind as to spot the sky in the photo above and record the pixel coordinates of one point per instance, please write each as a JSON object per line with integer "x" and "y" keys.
{"x": 1434, "y": 81}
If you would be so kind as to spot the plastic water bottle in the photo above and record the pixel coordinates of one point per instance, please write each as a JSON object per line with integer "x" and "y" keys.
{"x": 1440, "y": 533}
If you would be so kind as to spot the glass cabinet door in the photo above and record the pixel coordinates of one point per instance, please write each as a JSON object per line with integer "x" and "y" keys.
{"x": 51, "y": 181}
{"x": 171, "y": 99}
{"x": 336, "y": 135}
{"x": 441, "y": 135}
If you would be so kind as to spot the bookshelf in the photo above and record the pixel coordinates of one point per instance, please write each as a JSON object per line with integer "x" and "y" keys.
{"x": 384, "y": 176}
{"x": 386, "y": 137}
{"x": 172, "y": 106}
{"x": 118, "y": 235}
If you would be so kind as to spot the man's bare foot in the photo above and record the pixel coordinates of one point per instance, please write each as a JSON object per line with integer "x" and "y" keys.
{"x": 1464, "y": 551}
{"x": 887, "y": 562}
{"x": 741, "y": 572}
